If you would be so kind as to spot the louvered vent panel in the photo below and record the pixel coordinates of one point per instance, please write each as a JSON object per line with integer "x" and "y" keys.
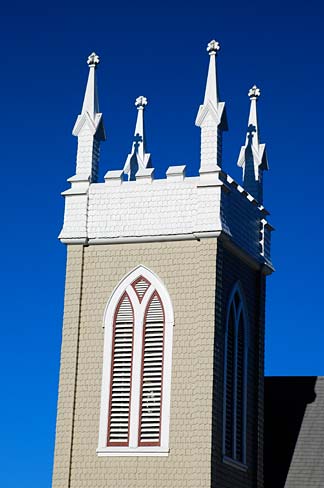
{"x": 151, "y": 385}
{"x": 240, "y": 391}
{"x": 118, "y": 429}
{"x": 141, "y": 285}
{"x": 229, "y": 424}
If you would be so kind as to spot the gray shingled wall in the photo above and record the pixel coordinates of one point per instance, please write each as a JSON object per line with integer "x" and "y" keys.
{"x": 229, "y": 270}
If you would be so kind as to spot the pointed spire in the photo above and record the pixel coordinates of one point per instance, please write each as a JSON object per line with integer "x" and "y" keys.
{"x": 253, "y": 157}
{"x": 211, "y": 117}
{"x": 211, "y": 92}
{"x": 89, "y": 127}
{"x": 138, "y": 159}
{"x": 90, "y": 102}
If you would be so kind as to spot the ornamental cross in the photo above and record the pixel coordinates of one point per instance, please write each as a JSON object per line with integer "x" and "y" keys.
{"x": 93, "y": 60}
{"x": 254, "y": 92}
{"x": 213, "y": 47}
{"x": 140, "y": 102}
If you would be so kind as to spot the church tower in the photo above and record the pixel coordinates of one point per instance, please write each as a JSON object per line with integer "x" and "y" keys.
{"x": 161, "y": 379}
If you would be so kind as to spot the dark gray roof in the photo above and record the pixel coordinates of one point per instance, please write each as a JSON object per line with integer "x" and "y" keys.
{"x": 294, "y": 432}
{"x": 307, "y": 466}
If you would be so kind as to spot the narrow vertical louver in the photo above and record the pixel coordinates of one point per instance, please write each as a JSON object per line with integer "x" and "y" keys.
{"x": 230, "y": 386}
{"x": 121, "y": 373}
{"x": 240, "y": 390}
{"x": 152, "y": 374}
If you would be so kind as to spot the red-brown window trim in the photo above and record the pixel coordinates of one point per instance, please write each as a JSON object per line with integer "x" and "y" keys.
{"x": 141, "y": 278}
{"x": 157, "y": 443}
{"x": 110, "y": 443}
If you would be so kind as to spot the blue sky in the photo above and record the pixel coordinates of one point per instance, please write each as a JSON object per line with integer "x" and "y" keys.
{"x": 158, "y": 50}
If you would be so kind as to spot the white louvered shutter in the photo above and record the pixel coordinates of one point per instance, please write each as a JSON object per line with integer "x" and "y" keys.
{"x": 152, "y": 374}
{"x": 119, "y": 409}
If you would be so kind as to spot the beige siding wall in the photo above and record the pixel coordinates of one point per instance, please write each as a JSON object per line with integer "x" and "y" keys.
{"x": 188, "y": 270}
{"x": 69, "y": 353}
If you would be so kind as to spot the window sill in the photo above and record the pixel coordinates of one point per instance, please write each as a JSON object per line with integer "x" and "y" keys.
{"x": 135, "y": 451}
{"x": 235, "y": 464}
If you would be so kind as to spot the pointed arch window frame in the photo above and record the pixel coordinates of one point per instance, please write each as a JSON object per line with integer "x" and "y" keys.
{"x": 232, "y": 460}
{"x": 140, "y": 307}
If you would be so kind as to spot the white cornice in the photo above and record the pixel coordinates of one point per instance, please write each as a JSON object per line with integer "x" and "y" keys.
{"x": 131, "y": 240}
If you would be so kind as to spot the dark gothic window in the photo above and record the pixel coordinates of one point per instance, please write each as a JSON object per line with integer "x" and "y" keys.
{"x": 235, "y": 378}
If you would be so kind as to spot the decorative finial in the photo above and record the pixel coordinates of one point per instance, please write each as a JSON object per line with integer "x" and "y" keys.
{"x": 138, "y": 160}
{"x": 213, "y": 47}
{"x": 254, "y": 93}
{"x": 93, "y": 60}
{"x": 253, "y": 156}
{"x": 140, "y": 102}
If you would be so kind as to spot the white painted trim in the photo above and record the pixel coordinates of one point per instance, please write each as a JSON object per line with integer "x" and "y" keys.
{"x": 134, "y": 239}
{"x": 81, "y": 240}
{"x": 136, "y": 369}
{"x": 125, "y": 285}
{"x": 237, "y": 288}
{"x": 176, "y": 173}
{"x": 127, "y": 452}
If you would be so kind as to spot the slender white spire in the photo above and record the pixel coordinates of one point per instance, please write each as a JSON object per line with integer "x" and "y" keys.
{"x": 90, "y": 102}
{"x": 253, "y": 157}
{"x": 138, "y": 159}
{"x": 211, "y": 92}
{"x": 211, "y": 117}
{"x": 89, "y": 127}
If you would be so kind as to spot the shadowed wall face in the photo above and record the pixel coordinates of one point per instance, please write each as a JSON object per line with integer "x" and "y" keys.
{"x": 231, "y": 270}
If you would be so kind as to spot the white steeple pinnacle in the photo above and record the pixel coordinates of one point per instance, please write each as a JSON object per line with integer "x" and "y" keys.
{"x": 90, "y": 103}
{"x": 138, "y": 159}
{"x": 89, "y": 128}
{"x": 253, "y": 157}
{"x": 211, "y": 92}
{"x": 211, "y": 117}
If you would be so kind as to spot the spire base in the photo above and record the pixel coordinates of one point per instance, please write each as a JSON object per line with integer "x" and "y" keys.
{"x": 95, "y": 126}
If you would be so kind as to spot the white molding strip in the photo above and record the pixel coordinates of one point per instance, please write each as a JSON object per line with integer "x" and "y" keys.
{"x": 139, "y": 451}
{"x": 81, "y": 240}
{"x": 134, "y": 239}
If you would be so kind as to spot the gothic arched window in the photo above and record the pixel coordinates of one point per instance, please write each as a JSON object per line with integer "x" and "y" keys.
{"x": 235, "y": 378}
{"x": 135, "y": 399}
